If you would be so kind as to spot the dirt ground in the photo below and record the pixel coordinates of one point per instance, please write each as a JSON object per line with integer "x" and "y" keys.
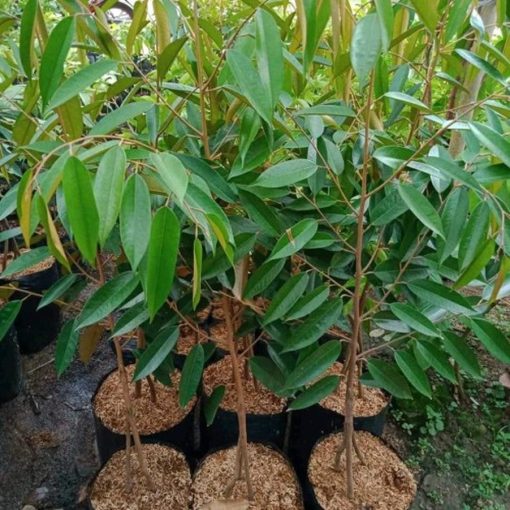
{"x": 47, "y": 452}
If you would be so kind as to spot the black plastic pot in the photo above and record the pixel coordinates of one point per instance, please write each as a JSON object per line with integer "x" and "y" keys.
{"x": 36, "y": 328}
{"x": 11, "y": 379}
{"x": 262, "y": 428}
{"x": 180, "y": 436}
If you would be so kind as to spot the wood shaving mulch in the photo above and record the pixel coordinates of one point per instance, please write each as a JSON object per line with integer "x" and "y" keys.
{"x": 372, "y": 403}
{"x": 219, "y": 335}
{"x": 257, "y": 399}
{"x": 274, "y": 482}
{"x": 218, "y": 312}
{"x": 37, "y": 268}
{"x": 188, "y": 338}
{"x": 150, "y": 417}
{"x": 383, "y": 483}
{"x": 169, "y": 472}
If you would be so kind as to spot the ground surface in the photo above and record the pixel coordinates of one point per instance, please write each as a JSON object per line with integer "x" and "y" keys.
{"x": 460, "y": 453}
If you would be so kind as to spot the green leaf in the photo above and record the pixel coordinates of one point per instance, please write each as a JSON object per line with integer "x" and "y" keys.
{"x": 8, "y": 314}
{"x": 261, "y": 214}
{"x": 168, "y": 55}
{"x": 415, "y": 319}
{"x": 191, "y": 375}
{"x": 130, "y": 320}
{"x": 197, "y": 272}
{"x": 492, "y": 338}
{"x": 67, "y": 343}
{"x": 308, "y": 303}
{"x": 108, "y": 187}
{"x": 437, "y": 359}
{"x": 80, "y": 81}
{"x": 453, "y": 171}
{"x": 490, "y": 138}
{"x": 286, "y": 297}
{"x": 263, "y": 277}
{"x": 156, "y": 353}
{"x": 421, "y": 207}
{"x": 286, "y": 173}
{"x": 481, "y": 64}
{"x": 460, "y": 351}
{"x": 269, "y": 54}
{"x": 58, "y": 289}
{"x": 454, "y": 220}
{"x": 250, "y": 84}
{"x": 482, "y": 258}
{"x": 388, "y": 377}
{"x": 428, "y": 13}
{"x": 365, "y": 47}
{"x": 172, "y": 173}
{"x": 27, "y": 36}
{"x": 315, "y": 393}
{"x": 120, "y": 116}
{"x": 81, "y": 207}
{"x": 26, "y": 260}
{"x": 161, "y": 258}
{"x": 385, "y": 14}
{"x": 407, "y": 99}
{"x": 268, "y": 373}
{"x": 315, "y": 326}
{"x": 440, "y": 296}
{"x": 107, "y": 299}
{"x": 294, "y": 239}
{"x": 54, "y": 57}
{"x": 413, "y": 372}
{"x": 474, "y": 234}
{"x": 388, "y": 209}
{"x": 314, "y": 365}
{"x": 212, "y": 404}
{"x": 135, "y": 219}
{"x": 333, "y": 110}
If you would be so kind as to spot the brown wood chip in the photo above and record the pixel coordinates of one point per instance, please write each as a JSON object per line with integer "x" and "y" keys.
{"x": 150, "y": 417}
{"x": 383, "y": 483}
{"x": 188, "y": 339}
{"x": 274, "y": 482}
{"x": 258, "y": 400}
{"x": 169, "y": 472}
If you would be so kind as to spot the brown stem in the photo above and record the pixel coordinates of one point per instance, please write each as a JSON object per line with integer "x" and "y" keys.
{"x": 130, "y": 415}
{"x": 140, "y": 344}
{"x": 152, "y": 389}
{"x": 242, "y": 446}
{"x": 129, "y": 471}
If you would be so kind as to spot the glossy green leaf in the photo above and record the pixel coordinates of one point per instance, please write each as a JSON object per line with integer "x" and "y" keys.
{"x": 108, "y": 187}
{"x": 440, "y": 296}
{"x": 294, "y": 239}
{"x": 314, "y": 365}
{"x": 366, "y": 47}
{"x": 168, "y": 56}
{"x": 27, "y": 36}
{"x": 8, "y": 314}
{"x": 135, "y": 219}
{"x": 407, "y": 99}
{"x": 315, "y": 393}
{"x": 80, "y": 81}
{"x": 385, "y": 14}
{"x": 286, "y": 297}
{"x": 481, "y": 64}
{"x": 81, "y": 207}
{"x": 212, "y": 403}
{"x": 156, "y": 353}
{"x": 428, "y": 13}
{"x": 308, "y": 303}
{"x": 437, "y": 359}
{"x": 453, "y": 219}
{"x": 459, "y": 350}
{"x": 315, "y": 326}
{"x": 495, "y": 142}
{"x": 492, "y": 338}
{"x": 388, "y": 377}
{"x": 481, "y": 259}
{"x": 197, "y": 272}
{"x": 161, "y": 258}
{"x": 263, "y": 215}
{"x": 131, "y": 319}
{"x": 286, "y": 173}
{"x": 107, "y": 299}
{"x": 413, "y": 372}
{"x": 191, "y": 375}
{"x": 263, "y": 277}
{"x": 26, "y": 260}
{"x": 120, "y": 116}
{"x": 58, "y": 289}
{"x": 421, "y": 207}
{"x": 172, "y": 174}
{"x": 268, "y": 373}
{"x": 474, "y": 234}
{"x": 415, "y": 319}
{"x": 67, "y": 343}
{"x": 54, "y": 57}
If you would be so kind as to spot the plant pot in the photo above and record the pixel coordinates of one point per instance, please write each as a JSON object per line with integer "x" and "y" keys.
{"x": 265, "y": 412}
{"x": 382, "y": 481}
{"x": 274, "y": 481}
{"x": 164, "y": 423}
{"x": 168, "y": 468}
{"x": 36, "y": 328}
{"x": 11, "y": 377}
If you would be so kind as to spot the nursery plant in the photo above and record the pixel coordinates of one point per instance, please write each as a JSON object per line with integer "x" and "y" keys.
{"x": 334, "y": 168}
